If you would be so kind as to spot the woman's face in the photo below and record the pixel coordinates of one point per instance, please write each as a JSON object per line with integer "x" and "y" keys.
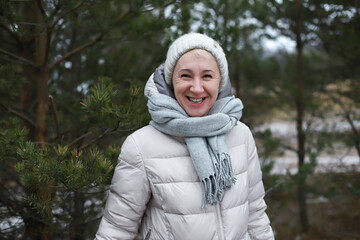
{"x": 196, "y": 81}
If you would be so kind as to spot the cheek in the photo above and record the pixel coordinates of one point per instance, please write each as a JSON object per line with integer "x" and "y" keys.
{"x": 178, "y": 91}
{"x": 179, "y": 86}
{"x": 214, "y": 87}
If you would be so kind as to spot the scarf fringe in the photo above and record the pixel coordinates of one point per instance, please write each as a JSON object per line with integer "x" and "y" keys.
{"x": 223, "y": 179}
{"x": 204, "y": 144}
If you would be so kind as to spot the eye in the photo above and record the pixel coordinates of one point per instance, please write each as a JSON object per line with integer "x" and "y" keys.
{"x": 207, "y": 76}
{"x": 185, "y": 75}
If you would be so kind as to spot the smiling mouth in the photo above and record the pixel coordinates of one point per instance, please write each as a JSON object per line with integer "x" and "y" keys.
{"x": 196, "y": 100}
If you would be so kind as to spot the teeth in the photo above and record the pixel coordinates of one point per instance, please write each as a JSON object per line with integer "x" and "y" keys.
{"x": 196, "y": 100}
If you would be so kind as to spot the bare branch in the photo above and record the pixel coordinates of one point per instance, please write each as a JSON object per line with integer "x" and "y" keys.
{"x": 101, "y": 136}
{"x": 23, "y": 60}
{"x": 19, "y": 115}
{"x": 56, "y": 10}
{"x": 66, "y": 13}
{"x": 31, "y": 24}
{"x": 346, "y": 153}
{"x": 158, "y": 7}
{"x": 269, "y": 190}
{"x": 346, "y": 114}
{"x": 115, "y": 38}
{"x": 351, "y": 123}
{"x": 77, "y": 50}
{"x": 13, "y": 35}
{"x": 9, "y": 42}
{"x": 95, "y": 139}
{"x": 48, "y": 32}
{"x": 123, "y": 15}
{"x": 80, "y": 138}
{"x": 287, "y": 147}
{"x": 55, "y": 117}
{"x": 99, "y": 38}
{"x": 41, "y": 8}
{"x": 281, "y": 94}
{"x": 356, "y": 136}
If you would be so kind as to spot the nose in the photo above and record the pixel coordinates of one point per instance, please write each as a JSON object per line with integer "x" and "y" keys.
{"x": 197, "y": 86}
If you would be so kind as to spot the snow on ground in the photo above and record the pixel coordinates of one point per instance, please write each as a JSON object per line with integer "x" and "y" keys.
{"x": 342, "y": 160}
{"x": 287, "y": 129}
{"x": 8, "y": 224}
{"x": 324, "y": 164}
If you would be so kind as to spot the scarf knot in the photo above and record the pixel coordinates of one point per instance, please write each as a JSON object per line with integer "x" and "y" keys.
{"x": 204, "y": 137}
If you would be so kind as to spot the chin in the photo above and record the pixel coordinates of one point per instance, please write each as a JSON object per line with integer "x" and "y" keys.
{"x": 197, "y": 113}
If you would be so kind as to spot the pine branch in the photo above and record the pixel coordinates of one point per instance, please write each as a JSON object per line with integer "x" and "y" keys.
{"x": 77, "y": 50}
{"x": 66, "y": 13}
{"x": 23, "y": 60}
{"x": 19, "y": 115}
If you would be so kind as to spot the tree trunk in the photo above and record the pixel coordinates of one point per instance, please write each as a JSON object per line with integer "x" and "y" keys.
{"x": 42, "y": 105}
{"x": 299, "y": 121}
{"x": 42, "y": 79}
{"x": 35, "y": 230}
{"x": 26, "y": 41}
{"x": 33, "y": 48}
{"x": 225, "y": 15}
{"x": 77, "y": 227}
{"x": 185, "y": 17}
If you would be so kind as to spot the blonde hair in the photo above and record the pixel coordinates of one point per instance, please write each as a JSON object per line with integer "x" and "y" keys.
{"x": 198, "y": 52}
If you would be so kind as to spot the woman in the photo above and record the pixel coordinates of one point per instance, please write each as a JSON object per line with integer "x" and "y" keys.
{"x": 193, "y": 173}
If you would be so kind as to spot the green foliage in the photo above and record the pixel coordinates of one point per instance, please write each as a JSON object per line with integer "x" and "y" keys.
{"x": 269, "y": 147}
{"x": 99, "y": 105}
{"x": 51, "y": 176}
{"x": 63, "y": 168}
{"x": 11, "y": 134}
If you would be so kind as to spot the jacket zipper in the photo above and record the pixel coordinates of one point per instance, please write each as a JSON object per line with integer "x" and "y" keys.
{"x": 219, "y": 221}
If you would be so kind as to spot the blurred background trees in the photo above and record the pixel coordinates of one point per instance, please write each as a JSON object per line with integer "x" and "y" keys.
{"x": 71, "y": 80}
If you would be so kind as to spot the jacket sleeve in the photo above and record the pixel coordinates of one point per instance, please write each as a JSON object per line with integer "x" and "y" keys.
{"x": 128, "y": 196}
{"x": 259, "y": 225}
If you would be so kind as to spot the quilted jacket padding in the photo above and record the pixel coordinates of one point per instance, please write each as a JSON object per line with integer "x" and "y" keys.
{"x": 155, "y": 185}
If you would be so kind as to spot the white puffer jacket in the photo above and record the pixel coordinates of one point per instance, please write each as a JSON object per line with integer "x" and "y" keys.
{"x": 155, "y": 181}
{"x": 155, "y": 184}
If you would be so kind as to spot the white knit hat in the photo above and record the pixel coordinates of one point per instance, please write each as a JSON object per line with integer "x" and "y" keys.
{"x": 192, "y": 41}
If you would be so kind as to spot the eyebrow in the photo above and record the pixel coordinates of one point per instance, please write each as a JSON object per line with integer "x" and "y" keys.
{"x": 185, "y": 69}
{"x": 189, "y": 70}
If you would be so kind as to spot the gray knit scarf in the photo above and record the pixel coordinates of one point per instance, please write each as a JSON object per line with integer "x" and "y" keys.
{"x": 205, "y": 139}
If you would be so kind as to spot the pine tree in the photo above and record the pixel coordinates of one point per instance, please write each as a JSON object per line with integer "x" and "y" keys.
{"x": 58, "y": 155}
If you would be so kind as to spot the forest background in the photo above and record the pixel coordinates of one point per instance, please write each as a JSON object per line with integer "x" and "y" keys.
{"x": 72, "y": 75}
